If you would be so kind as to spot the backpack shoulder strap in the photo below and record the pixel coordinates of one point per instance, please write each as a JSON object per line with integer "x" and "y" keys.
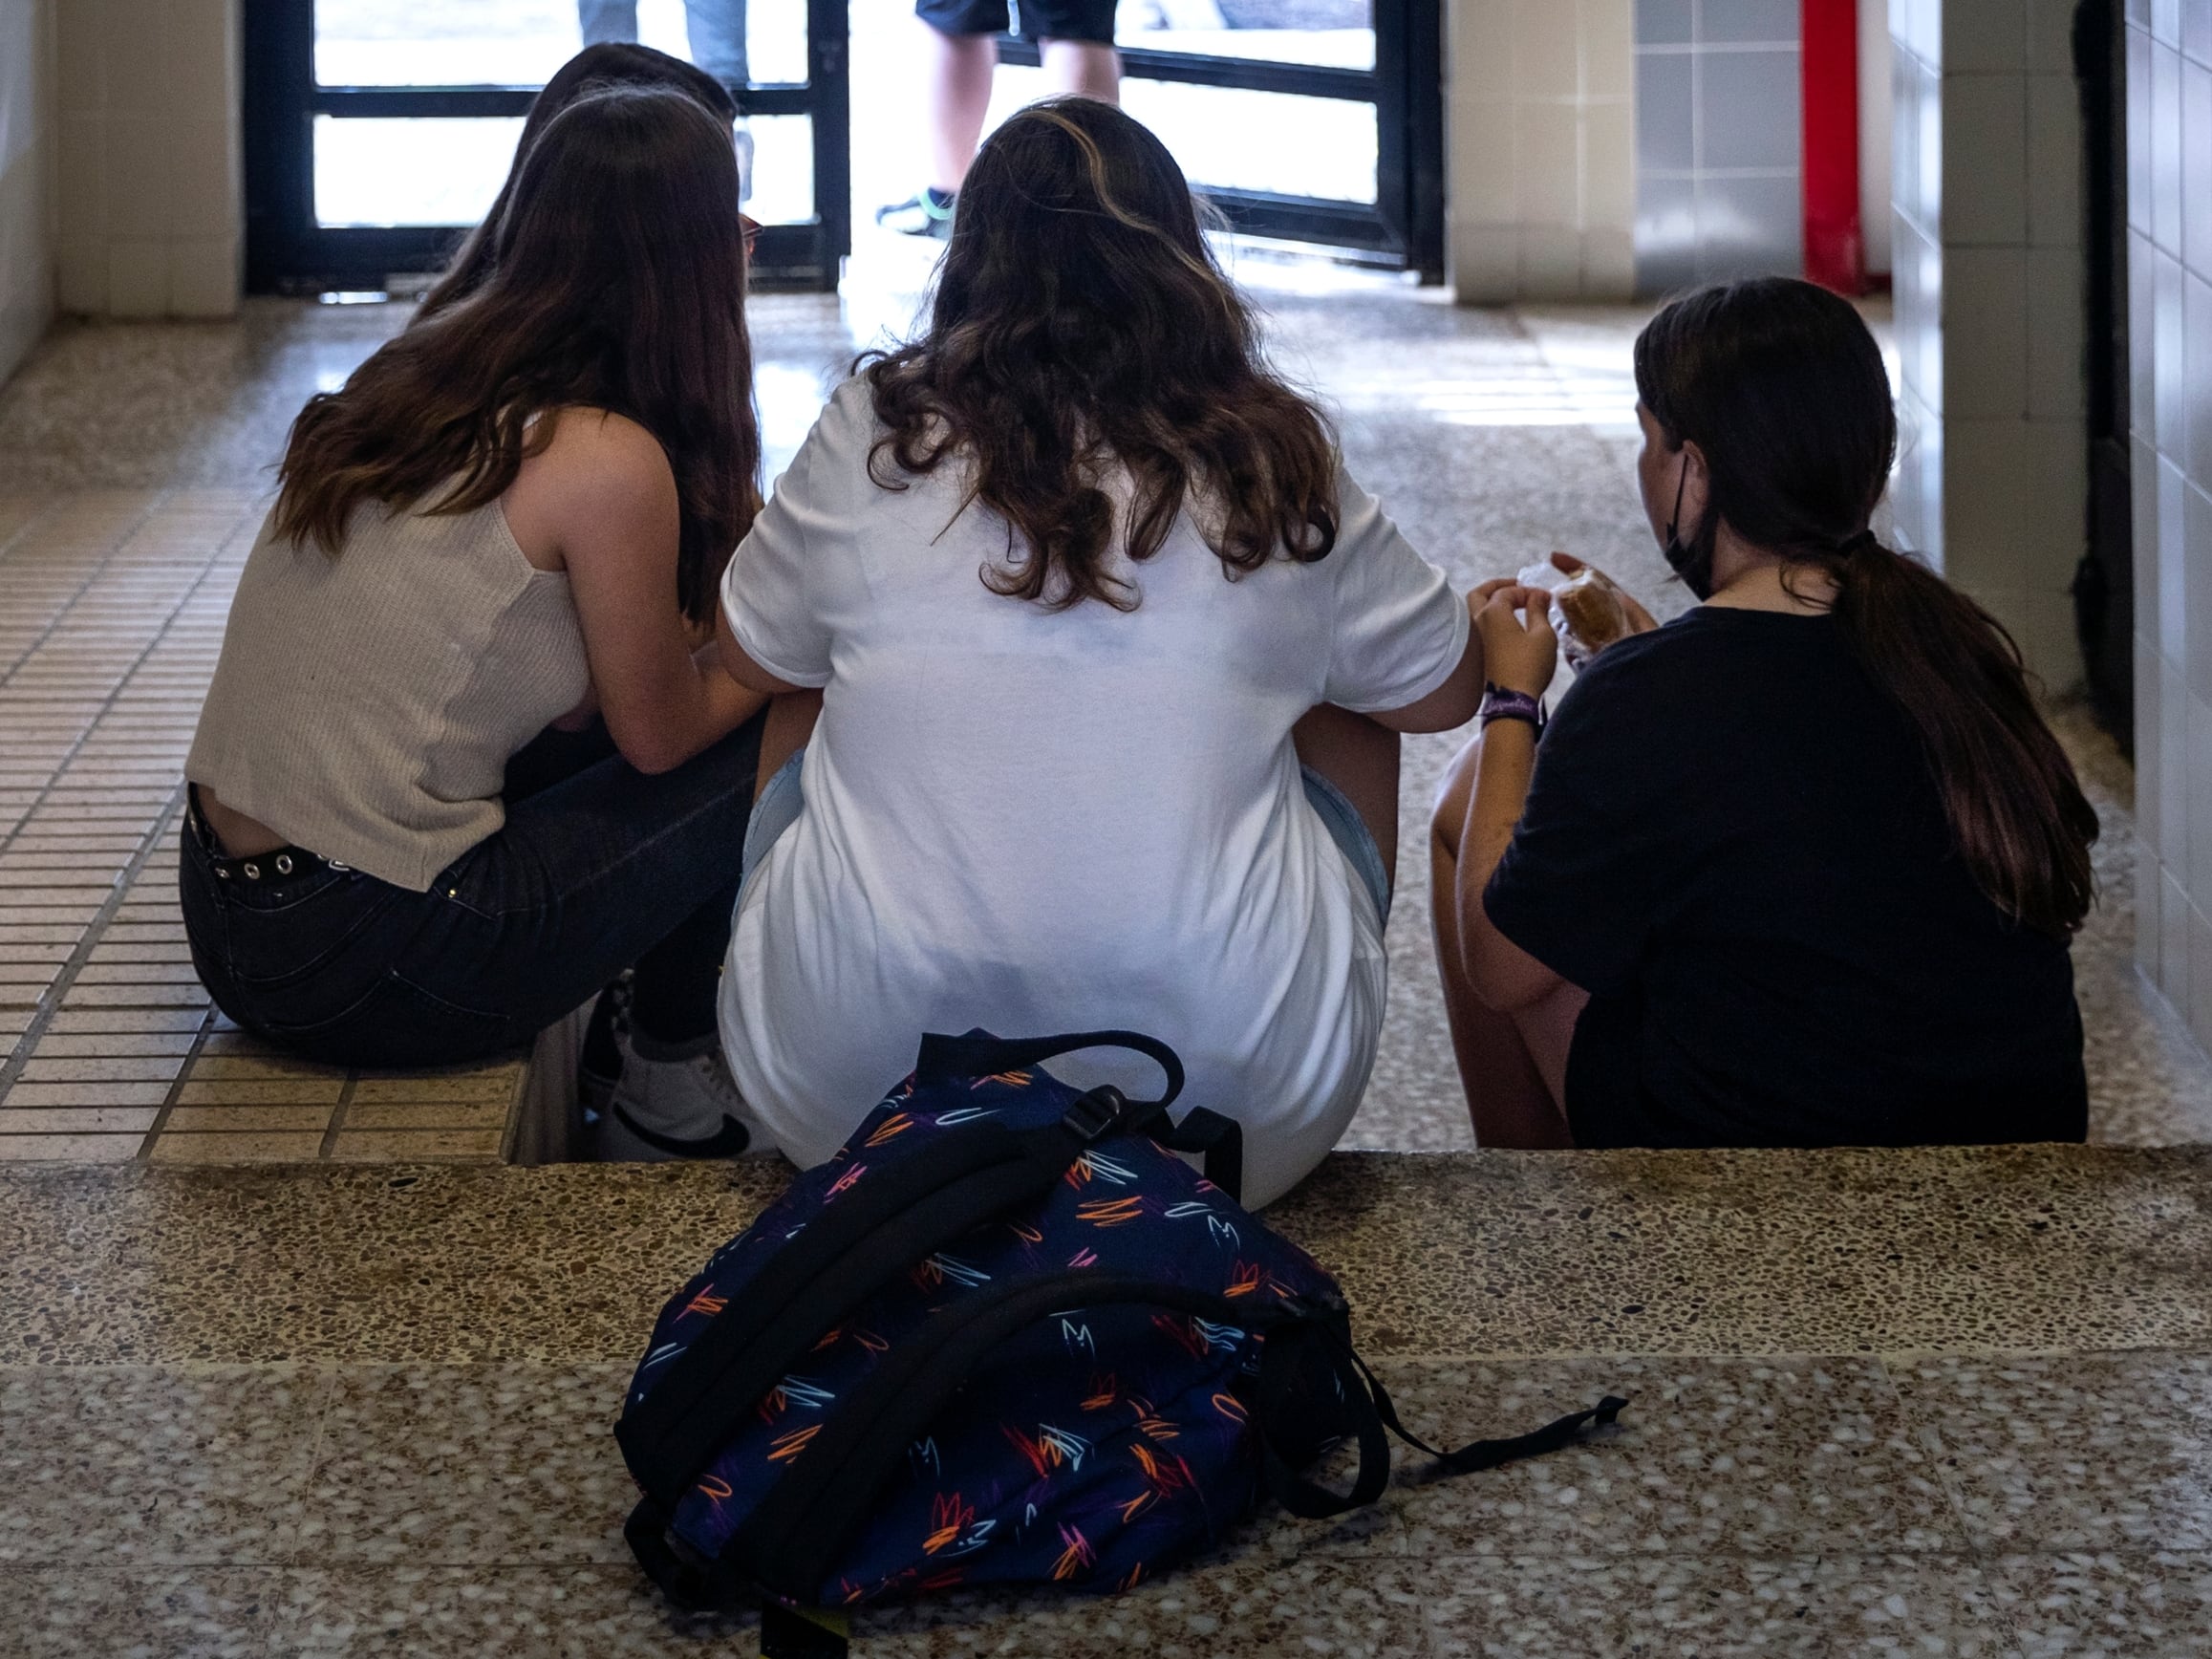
{"x": 873, "y": 1232}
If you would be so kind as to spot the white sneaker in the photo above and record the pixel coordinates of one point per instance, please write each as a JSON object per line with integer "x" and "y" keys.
{"x": 741, "y": 135}
{"x": 666, "y": 1110}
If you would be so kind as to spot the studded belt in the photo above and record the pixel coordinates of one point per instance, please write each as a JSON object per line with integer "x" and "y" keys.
{"x": 280, "y": 865}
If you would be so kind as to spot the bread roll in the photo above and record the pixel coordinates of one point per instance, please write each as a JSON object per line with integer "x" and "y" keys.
{"x": 1591, "y": 607}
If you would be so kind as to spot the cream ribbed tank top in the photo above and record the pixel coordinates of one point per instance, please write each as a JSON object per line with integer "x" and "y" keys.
{"x": 365, "y": 706}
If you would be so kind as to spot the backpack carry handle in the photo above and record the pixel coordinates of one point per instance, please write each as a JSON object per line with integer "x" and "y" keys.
{"x": 979, "y": 1054}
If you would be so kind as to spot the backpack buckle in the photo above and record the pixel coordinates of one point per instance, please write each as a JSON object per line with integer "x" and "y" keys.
{"x": 1094, "y": 1112}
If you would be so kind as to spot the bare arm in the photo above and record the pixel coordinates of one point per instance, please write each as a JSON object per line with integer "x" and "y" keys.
{"x": 603, "y": 496}
{"x": 1516, "y": 626}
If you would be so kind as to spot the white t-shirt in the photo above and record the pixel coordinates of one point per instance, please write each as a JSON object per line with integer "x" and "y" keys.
{"x": 1036, "y": 821}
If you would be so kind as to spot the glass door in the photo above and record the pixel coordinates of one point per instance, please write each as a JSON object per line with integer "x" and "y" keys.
{"x": 1308, "y": 120}
{"x": 375, "y": 133}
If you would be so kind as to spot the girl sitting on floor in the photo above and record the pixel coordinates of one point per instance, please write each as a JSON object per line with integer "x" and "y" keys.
{"x": 1799, "y": 868}
{"x": 1110, "y": 659}
{"x": 516, "y": 513}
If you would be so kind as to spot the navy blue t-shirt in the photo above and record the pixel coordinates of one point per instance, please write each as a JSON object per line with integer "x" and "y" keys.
{"x": 1735, "y": 843}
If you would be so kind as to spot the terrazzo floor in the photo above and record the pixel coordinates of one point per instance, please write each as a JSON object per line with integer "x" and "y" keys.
{"x": 1951, "y": 1403}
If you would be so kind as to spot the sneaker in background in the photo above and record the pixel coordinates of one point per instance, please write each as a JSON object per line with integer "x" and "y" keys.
{"x": 929, "y": 213}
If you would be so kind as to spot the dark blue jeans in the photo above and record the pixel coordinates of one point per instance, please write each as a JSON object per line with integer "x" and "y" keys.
{"x": 599, "y": 868}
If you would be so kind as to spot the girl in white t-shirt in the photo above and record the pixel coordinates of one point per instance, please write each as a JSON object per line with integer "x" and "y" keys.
{"x": 1109, "y": 659}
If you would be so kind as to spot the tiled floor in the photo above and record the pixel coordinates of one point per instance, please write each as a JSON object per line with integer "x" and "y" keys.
{"x": 132, "y": 461}
{"x": 113, "y": 613}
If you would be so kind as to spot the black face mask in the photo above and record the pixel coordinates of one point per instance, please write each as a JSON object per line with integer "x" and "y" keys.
{"x": 1693, "y": 567}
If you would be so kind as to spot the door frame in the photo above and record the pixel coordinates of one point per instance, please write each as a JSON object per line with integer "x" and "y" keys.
{"x": 1405, "y": 224}
{"x": 288, "y": 252}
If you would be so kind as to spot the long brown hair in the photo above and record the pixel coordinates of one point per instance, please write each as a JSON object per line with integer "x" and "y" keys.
{"x": 1080, "y": 323}
{"x": 595, "y": 69}
{"x": 618, "y": 283}
{"x": 1781, "y": 385}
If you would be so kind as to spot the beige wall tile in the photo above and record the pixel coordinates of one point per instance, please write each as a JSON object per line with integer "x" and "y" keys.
{"x": 1608, "y": 166}
{"x": 1486, "y": 263}
{"x": 1482, "y": 163}
{"x": 205, "y": 274}
{"x": 137, "y": 282}
{"x": 1547, "y": 165}
{"x": 1481, "y": 40}
{"x": 1608, "y": 45}
{"x": 1551, "y": 263}
{"x": 1547, "y": 50}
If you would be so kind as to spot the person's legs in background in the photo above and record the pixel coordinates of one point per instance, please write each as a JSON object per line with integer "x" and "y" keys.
{"x": 606, "y": 20}
{"x": 717, "y": 31}
{"x": 1075, "y": 40}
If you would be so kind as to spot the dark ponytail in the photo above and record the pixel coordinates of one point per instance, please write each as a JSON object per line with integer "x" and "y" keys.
{"x": 1781, "y": 386}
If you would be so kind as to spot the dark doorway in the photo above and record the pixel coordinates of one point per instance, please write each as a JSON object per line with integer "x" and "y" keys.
{"x": 2104, "y": 595}
{"x": 1372, "y": 69}
{"x": 374, "y": 134}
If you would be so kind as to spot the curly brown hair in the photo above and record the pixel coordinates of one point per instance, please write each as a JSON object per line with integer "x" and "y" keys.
{"x": 1081, "y": 326}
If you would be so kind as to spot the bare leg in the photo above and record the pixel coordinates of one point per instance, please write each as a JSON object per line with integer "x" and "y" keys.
{"x": 961, "y": 67}
{"x": 1360, "y": 758}
{"x": 790, "y": 722}
{"x": 1512, "y": 1065}
{"x": 1092, "y": 68}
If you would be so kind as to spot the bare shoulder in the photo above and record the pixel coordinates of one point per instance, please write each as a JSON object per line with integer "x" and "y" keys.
{"x": 601, "y": 477}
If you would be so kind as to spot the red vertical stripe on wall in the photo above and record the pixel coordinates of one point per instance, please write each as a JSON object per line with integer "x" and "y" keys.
{"x": 1834, "y": 244}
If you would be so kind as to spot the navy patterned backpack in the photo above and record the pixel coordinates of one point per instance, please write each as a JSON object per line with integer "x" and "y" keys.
{"x": 1006, "y": 1336}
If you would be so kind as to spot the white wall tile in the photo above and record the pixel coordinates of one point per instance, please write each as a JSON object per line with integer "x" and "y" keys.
{"x": 80, "y": 277}
{"x": 2165, "y": 138}
{"x": 2195, "y": 451}
{"x": 2197, "y": 867}
{"x": 2199, "y": 1009}
{"x": 1481, "y": 36}
{"x": 2139, "y": 92}
{"x": 2197, "y": 166}
{"x": 1486, "y": 263}
{"x": 2166, "y": 22}
{"x": 2146, "y": 914}
{"x": 2148, "y": 772}
{"x": 80, "y": 182}
{"x": 2144, "y": 516}
{"x": 2170, "y": 527}
{"x": 2196, "y": 29}
{"x": 203, "y": 184}
{"x": 2172, "y": 940}
{"x": 2196, "y": 591}
{"x": 2172, "y": 775}
{"x": 2169, "y": 333}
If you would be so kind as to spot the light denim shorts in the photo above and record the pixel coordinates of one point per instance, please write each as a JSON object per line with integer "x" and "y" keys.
{"x": 778, "y": 809}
